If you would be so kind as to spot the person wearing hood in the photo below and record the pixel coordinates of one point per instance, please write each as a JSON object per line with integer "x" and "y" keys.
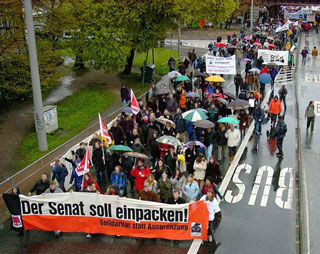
{"x": 40, "y": 186}
{"x": 15, "y": 190}
{"x": 74, "y": 176}
{"x": 59, "y": 172}
{"x": 119, "y": 178}
{"x": 280, "y": 133}
{"x": 140, "y": 172}
{"x": 258, "y": 117}
{"x": 164, "y": 187}
{"x": 275, "y": 109}
{"x": 88, "y": 179}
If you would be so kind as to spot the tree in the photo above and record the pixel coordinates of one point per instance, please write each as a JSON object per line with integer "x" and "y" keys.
{"x": 15, "y": 77}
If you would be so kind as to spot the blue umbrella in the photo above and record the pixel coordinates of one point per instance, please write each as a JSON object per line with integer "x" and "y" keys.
{"x": 192, "y": 95}
{"x": 265, "y": 78}
{"x": 182, "y": 78}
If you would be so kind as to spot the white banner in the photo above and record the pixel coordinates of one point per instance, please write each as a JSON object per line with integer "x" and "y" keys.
{"x": 293, "y": 15}
{"x": 311, "y": 18}
{"x": 273, "y": 57}
{"x": 317, "y": 108}
{"x": 221, "y": 65}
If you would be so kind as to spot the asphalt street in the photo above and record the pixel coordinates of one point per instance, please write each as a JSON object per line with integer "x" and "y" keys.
{"x": 308, "y": 82}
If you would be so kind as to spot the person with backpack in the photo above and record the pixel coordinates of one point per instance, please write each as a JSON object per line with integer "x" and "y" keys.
{"x": 304, "y": 54}
{"x": 280, "y": 133}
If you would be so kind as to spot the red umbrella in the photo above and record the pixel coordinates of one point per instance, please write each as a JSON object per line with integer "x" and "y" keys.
{"x": 212, "y": 95}
{"x": 228, "y": 34}
{"x": 272, "y": 46}
{"x": 220, "y": 44}
{"x": 257, "y": 44}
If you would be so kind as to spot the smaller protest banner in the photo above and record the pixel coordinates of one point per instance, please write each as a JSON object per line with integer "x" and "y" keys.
{"x": 274, "y": 57}
{"x": 220, "y": 65}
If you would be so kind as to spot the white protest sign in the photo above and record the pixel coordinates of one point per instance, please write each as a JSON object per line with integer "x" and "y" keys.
{"x": 274, "y": 57}
{"x": 317, "y": 108}
{"x": 221, "y": 65}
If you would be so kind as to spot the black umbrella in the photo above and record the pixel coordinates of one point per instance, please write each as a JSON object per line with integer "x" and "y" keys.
{"x": 231, "y": 95}
{"x": 238, "y": 104}
{"x": 204, "y": 124}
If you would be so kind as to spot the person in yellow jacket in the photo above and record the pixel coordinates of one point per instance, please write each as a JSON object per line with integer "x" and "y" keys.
{"x": 288, "y": 46}
{"x": 314, "y": 54}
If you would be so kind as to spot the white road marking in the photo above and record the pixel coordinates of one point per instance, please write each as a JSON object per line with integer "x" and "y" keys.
{"x": 234, "y": 199}
{"x": 282, "y": 187}
{"x": 257, "y": 183}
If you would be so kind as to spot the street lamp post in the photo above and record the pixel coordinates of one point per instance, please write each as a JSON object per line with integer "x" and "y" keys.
{"x": 251, "y": 18}
{"x": 36, "y": 89}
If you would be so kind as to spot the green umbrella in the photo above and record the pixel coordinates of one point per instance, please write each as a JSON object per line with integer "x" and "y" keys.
{"x": 194, "y": 115}
{"x": 120, "y": 148}
{"x": 229, "y": 120}
{"x": 182, "y": 78}
{"x": 169, "y": 140}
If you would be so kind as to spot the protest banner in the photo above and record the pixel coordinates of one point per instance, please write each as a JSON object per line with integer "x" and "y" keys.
{"x": 220, "y": 65}
{"x": 113, "y": 215}
{"x": 293, "y": 15}
{"x": 273, "y": 57}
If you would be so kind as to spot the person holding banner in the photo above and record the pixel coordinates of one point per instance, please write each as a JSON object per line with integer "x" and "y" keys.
{"x": 98, "y": 159}
{"x": 215, "y": 216}
{"x": 141, "y": 173}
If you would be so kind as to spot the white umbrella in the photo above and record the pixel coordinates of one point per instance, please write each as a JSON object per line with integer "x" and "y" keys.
{"x": 174, "y": 74}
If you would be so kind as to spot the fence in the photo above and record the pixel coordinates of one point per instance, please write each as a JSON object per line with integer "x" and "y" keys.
{"x": 30, "y": 174}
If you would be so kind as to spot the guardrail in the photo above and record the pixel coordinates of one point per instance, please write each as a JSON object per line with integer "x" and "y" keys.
{"x": 26, "y": 177}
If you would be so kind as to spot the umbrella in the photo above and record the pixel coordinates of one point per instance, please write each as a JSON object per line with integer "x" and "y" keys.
{"x": 265, "y": 78}
{"x": 212, "y": 95}
{"x": 127, "y": 110}
{"x": 232, "y": 47}
{"x": 137, "y": 155}
{"x": 202, "y": 109}
{"x": 205, "y": 124}
{"x": 162, "y": 91}
{"x": 194, "y": 115}
{"x": 223, "y": 101}
{"x": 254, "y": 70}
{"x": 200, "y": 74}
{"x": 174, "y": 74}
{"x": 194, "y": 143}
{"x": 164, "y": 121}
{"x": 241, "y": 44}
{"x": 246, "y": 59}
{"x": 228, "y": 34}
{"x": 215, "y": 78}
{"x": 120, "y": 148}
{"x": 248, "y": 38}
{"x": 220, "y": 44}
{"x": 257, "y": 44}
{"x": 270, "y": 38}
{"x": 192, "y": 95}
{"x": 182, "y": 78}
{"x": 169, "y": 140}
{"x": 272, "y": 46}
{"x": 231, "y": 95}
{"x": 238, "y": 104}
{"x": 229, "y": 120}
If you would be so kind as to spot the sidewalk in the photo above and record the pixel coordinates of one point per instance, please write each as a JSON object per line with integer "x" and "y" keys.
{"x": 308, "y": 88}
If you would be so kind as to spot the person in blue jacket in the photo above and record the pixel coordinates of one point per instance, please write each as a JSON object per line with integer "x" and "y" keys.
{"x": 59, "y": 172}
{"x": 258, "y": 117}
{"x": 119, "y": 178}
{"x": 74, "y": 177}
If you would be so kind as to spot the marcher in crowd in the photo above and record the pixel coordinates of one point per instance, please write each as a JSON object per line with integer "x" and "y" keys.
{"x": 310, "y": 116}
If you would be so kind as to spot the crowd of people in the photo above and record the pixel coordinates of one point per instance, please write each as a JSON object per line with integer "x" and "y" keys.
{"x": 189, "y": 170}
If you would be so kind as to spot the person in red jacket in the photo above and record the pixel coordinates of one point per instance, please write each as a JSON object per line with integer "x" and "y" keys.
{"x": 264, "y": 70}
{"x": 275, "y": 109}
{"x": 87, "y": 179}
{"x": 141, "y": 173}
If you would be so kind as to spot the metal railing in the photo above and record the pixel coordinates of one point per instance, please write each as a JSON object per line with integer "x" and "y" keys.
{"x": 27, "y": 176}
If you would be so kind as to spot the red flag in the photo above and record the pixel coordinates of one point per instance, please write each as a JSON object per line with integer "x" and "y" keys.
{"x": 84, "y": 166}
{"x": 134, "y": 104}
{"x": 103, "y": 130}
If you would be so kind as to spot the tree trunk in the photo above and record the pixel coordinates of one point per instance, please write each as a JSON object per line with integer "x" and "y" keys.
{"x": 128, "y": 66}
